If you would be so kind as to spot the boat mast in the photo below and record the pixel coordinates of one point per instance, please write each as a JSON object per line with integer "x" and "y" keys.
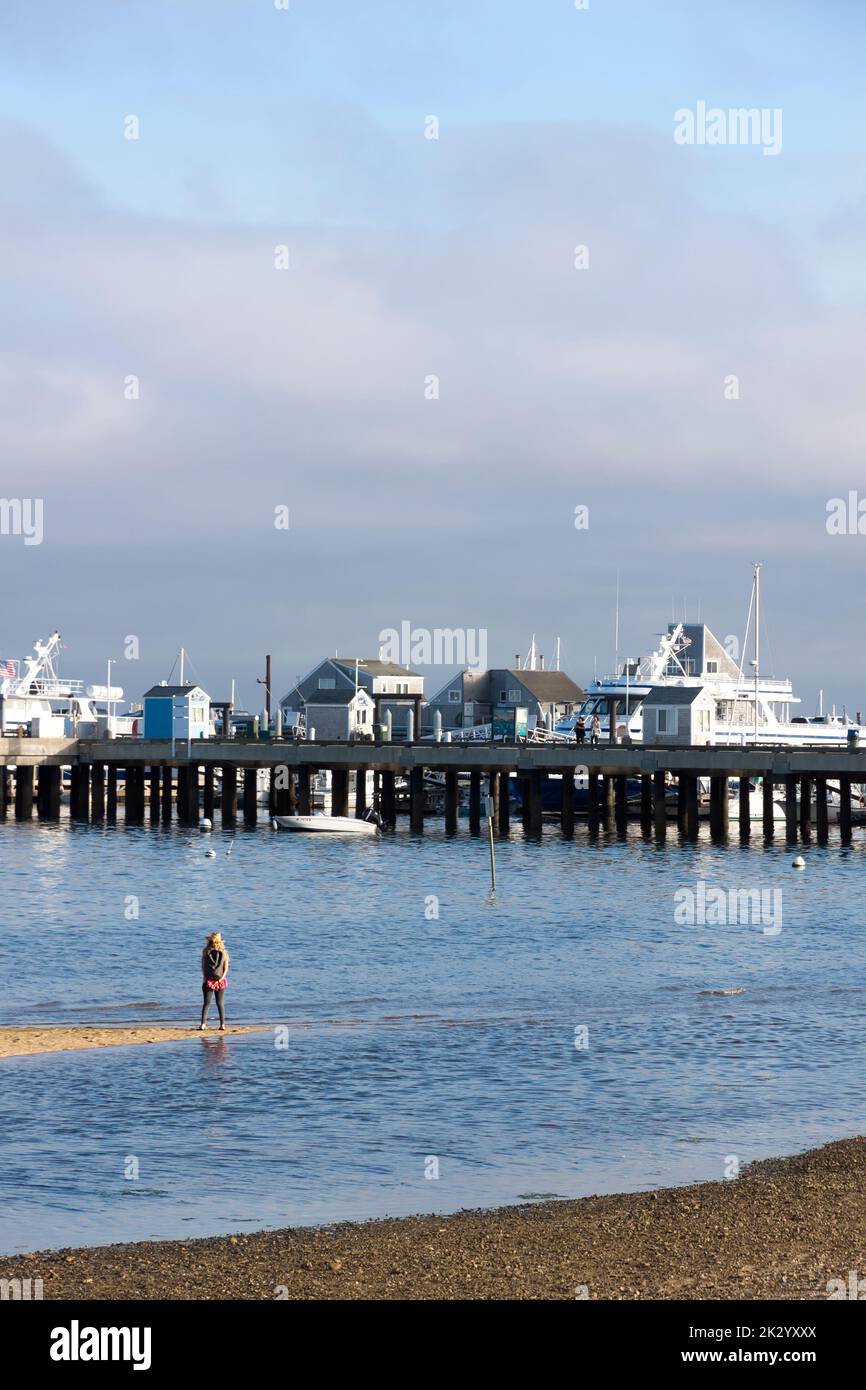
{"x": 757, "y": 638}
{"x": 181, "y": 664}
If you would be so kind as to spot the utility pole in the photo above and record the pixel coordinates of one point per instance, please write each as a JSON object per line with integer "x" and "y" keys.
{"x": 267, "y": 684}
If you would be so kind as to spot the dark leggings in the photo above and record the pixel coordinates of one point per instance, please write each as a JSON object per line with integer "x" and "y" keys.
{"x": 208, "y": 995}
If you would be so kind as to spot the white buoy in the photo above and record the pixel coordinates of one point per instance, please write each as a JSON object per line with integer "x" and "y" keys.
{"x": 274, "y": 825}
{"x": 229, "y": 850}
{"x": 799, "y": 862}
{"x": 205, "y": 823}
{"x": 210, "y": 854}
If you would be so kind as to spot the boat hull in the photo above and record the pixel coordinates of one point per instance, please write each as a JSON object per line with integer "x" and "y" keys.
{"x": 327, "y": 825}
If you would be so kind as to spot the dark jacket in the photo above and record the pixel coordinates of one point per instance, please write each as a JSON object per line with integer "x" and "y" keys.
{"x": 213, "y": 964}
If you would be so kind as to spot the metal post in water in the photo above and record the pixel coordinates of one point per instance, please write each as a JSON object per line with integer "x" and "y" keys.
{"x": 492, "y": 854}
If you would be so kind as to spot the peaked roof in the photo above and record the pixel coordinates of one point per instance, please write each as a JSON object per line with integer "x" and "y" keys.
{"x": 337, "y": 697}
{"x": 172, "y": 690}
{"x": 373, "y": 665}
{"x": 549, "y": 686}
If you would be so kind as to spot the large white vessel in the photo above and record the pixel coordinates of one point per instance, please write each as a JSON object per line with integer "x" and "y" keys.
{"x": 747, "y": 708}
{"x": 35, "y": 699}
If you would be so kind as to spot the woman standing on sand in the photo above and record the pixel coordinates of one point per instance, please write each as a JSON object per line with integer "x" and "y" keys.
{"x": 214, "y": 969}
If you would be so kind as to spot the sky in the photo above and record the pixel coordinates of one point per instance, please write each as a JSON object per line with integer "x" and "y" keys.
{"x": 432, "y": 386}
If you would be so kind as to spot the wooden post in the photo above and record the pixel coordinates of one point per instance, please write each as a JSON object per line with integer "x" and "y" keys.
{"x": 613, "y": 706}
{"x": 360, "y": 792}
{"x": 80, "y": 808}
{"x": 272, "y": 792}
{"x": 806, "y": 808}
{"x": 504, "y": 802}
{"x": 682, "y": 805}
{"x": 23, "y": 792}
{"x": 791, "y": 809}
{"x": 660, "y": 810}
{"x": 182, "y": 798}
{"x": 592, "y": 802}
{"x": 493, "y": 797}
{"x": 251, "y": 783}
{"x": 745, "y": 807}
{"x": 692, "y": 813}
{"x": 475, "y": 803}
{"x": 646, "y": 803}
{"x": 111, "y": 792}
{"x": 608, "y": 801}
{"x": 566, "y": 819}
{"x": 4, "y": 792}
{"x": 133, "y": 813}
{"x": 621, "y": 804}
{"x": 525, "y": 802}
{"x": 290, "y": 792}
{"x": 155, "y": 789}
{"x": 193, "y": 793}
{"x": 416, "y": 798}
{"x": 768, "y": 806}
{"x": 97, "y": 792}
{"x": 339, "y": 791}
{"x": 845, "y": 809}
{"x": 209, "y": 798}
{"x": 450, "y": 801}
{"x": 718, "y": 805}
{"x": 535, "y": 802}
{"x": 167, "y": 784}
{"x": 821, "y": 809}
{"x": 229, "y": 797}
{"x": 389, "y": 809}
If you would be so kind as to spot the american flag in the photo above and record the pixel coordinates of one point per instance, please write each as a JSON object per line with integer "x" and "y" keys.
{"x": 7, "y": 668}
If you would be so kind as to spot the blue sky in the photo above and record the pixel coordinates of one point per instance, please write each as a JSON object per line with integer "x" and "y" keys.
{"x": 409, "y": 257}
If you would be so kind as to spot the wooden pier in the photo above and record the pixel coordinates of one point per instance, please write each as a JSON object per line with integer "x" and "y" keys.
{"x": 161, "y": 782}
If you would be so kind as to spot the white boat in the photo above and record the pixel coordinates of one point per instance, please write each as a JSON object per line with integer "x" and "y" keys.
{"x": 35, "y": 698}
{"x": 750, "y": 710}
{"x": 328, "y": 825}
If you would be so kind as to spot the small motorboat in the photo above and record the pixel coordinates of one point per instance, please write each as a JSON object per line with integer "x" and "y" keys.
{"x": 328, "y": 825}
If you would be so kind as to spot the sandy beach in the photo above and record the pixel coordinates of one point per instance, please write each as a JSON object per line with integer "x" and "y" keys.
{"x": 781, "y": 1231}
{"x": 27, "y": 1042}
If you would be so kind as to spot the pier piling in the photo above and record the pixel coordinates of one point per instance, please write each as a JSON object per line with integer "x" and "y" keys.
{"x": 389, "y": 806}
{"x": 4, "y": 792}
{"x": 821, "y": 809}
{"x": 806, "y": 808}
{"x": 567, "y": 812}
{"x": 621, "y": 805}
{"x": 845, "y": 809}
{"x": 504, "y": 803}
{"x": 768, "y": 805}
{"x": 475, "y": 803}
{"x": 450, "y": 801}
{"x": 745, "y": 808}
{"x": 791, "y": 809}
{"x": 251, "y": 787}
{"x": 111, "y": 791}
{"x": 229, "y": 795}
{"x": 416, "y": 798}
{"x": 360, "y": 792}
{"x": 167, "y": 782}
{"x": 646, "y": 803}
{"x": 97, "y": 792}
{"x": 660, "y": 810}
{"x": 209, "y": 796}
{"x": 592, "y": 802}
{"x": 339, "y": 791}
{"x": 692, "y": 823}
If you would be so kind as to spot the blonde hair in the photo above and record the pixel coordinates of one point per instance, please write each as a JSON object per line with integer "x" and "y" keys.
{"x": 216, "y": 942}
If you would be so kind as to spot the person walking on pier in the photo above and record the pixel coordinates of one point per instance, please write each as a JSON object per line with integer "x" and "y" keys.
{"x": 596, "y": 730}
{"x": 214, "y": 969}
{"x": 580, "y": 729}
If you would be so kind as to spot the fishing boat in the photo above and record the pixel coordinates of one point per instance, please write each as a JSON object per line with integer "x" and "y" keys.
{"x": 320, "y": 824}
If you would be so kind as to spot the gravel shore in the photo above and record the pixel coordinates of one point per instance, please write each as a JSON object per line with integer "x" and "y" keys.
{"x": 782, "y": 1230}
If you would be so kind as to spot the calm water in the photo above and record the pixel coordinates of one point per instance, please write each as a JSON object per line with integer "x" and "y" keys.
{"x": 410, "y": 1038}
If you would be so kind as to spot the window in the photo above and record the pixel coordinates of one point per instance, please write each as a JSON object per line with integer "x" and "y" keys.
{"x": 503, "y": 696}
{"x": 362, "y": 716}
{"x": 664, "y": 723}
{"x": 327, "y": 683}
{"x": 712, "y": 668}
{"x": 454, "y": 697}
{"x": 514, "y": 697}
